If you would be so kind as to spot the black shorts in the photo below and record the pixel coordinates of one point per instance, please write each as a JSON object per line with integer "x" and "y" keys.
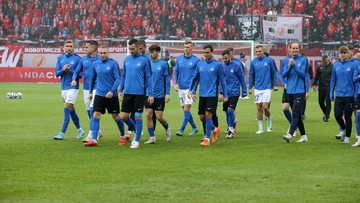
{"x": 112, "y": 104}
{"x": 357, "y": 104}
{"x": 158, "y": 105}
{"x": 207, "y": 104}
{"x": 285, "y": 97}
{"x": 232, "y": 102}
{"x": 133, "y": 103}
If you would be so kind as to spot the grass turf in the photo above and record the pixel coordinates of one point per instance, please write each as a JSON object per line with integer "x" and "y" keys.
{"x": 248, "y": 168}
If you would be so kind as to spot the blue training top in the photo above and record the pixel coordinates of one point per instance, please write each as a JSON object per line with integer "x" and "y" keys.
{"x": 263, "y": 74}
{"x": 66, "y": 77}
{"x": 160, "y": 78}
{"x": 86, "y": 66}
{"x": 234, "y": 77}
{"x": 297, "y": 76}
{"x": 184, "y": 70}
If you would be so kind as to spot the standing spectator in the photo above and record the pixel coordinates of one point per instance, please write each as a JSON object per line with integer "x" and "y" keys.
{"x": 209, "y": 75}
{"x": 322, "y": 80}
{"x": 65, "y": 68}
{"x": 263, "y": 76}
{"x": 297, "y": 86}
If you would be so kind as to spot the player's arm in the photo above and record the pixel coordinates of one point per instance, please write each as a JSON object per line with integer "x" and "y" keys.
{"x": 332, "y": 84}
{"x": 241, "y": 77}
{"x": 222, "y": 82}
{"x": 167, "y": 83}
{"x": 60, "y": 70}
{"x": 75, "y": 75}
{"x": 251, "y": 77}
{"x": 274, "y": 73}
{"x": 176, "y": 75}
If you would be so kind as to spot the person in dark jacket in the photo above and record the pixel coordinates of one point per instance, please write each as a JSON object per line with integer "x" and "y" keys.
{"x": 322, "y": 83}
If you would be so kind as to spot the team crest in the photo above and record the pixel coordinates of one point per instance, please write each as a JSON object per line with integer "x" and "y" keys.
{"x": 72, "y": 62}
{"x": 212, "y": 69}
{"x": 348, "y": 69}
{"x": 265, "y": 64}
{"x": 232, "y": 70}
{"x": 107, "y": 67}
{"x": 159, "y": 67}
{"x": 190, "y": 63}
{"x": 138, "y": 64}
{"x": 299, "y": 65}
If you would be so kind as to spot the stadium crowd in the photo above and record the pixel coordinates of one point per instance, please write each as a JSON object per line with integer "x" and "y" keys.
{"x": 328, "y": 20}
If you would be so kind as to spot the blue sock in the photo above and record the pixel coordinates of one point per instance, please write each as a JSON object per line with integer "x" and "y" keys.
{"x": 191, "y": 121}
{"x": 138, "y": 129}
{"x": 227, "y": 118}
{"x": 166, "y": 126}
{"x": 151, "y": 132}
{"x": 186, "y": 119}
{"x": 120, "y": 125}
{"x": 288, "y": 115}
{"x": 75, "y": 119}
{"x": 209, "y": 126}
{"x": 96, "y": 127}
{"x": 340, "y": 129}
{"x": 89, "y": 113}
{"x": 357, "y": 123}
{"x": 129, "y": 122}
{"x": 66, "y": 120}
{"x": 231, "y": 117}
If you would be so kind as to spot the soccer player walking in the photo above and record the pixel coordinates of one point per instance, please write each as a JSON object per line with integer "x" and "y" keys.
{"x": 297, "y": 87}
{"x": 234, "y": 75}
{"x": 183, "y": 72}
{"x": 107, "y": 76}
{"x": 160, "y": 79}
{"x": 134, "y": 80}
{"x": 65, "y": 68}
{"x": 322, "y": 79}
{"x": 263, "y": 76}
{"x": 209, "y": 75}
{"x": 85, "y": 67}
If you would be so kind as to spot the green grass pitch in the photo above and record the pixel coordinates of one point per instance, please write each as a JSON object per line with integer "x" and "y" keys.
{"x": 248, "y": 168}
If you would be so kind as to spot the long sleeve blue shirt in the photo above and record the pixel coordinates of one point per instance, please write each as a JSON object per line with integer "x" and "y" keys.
{"x": 284, "y": 64}
{"x": 210, "y": 75}
{"x": 160, "y": 78}
{"x": 85, "y": 66}
{"x": 184, "y": 70}
{"x": 66, "y": 77}
{"x": 342, "y": 79}
{"x": 297, "y": 77}
{"x": 262, "y": 74}
{"x": 234, "y": 78}
{"x": 356, "y": 74}
{"x": 107, "y": 76}
{"x": 136, "y": 75}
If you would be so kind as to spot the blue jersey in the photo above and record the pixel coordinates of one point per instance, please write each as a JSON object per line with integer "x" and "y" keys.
{"x": 297, "y": 77}
{"x": 356, "y": 74}
{"x": 238, "y": 61}
{"x": 136, "y": 75}
{"x": 263, "y": 74}
{"x": 342, "y": 79}
{"x": 86, "y": 66}
{"x": 71, "y": 60}
{"x": 209, "y": 74}
{"x": 184, "y": 70}
{"x": 160, "y": 78}
{"x": 284, "y": 63}
{"x": 107, "y": 76}
{"x": 234, "y": 76}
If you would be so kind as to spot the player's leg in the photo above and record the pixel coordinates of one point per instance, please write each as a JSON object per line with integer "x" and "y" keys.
{"x": 99, "y": 108}
{"x": 139, "y": 106}
{"x": 72, "y": 96}
{"x": 150, "y": 122}
{"x": 159, "y": 105}
{"x": 266, "y": 108}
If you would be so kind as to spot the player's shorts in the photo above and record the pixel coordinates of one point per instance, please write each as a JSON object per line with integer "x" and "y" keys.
{"x": 184, "y": 99}
{"x": 133, "y": 103}
{"x": 69, "y": 96}
{"x": 207, "y": 104}
{"x": 111, "y": 104}
{"x": 232, "y": 103}
{"x": 285, "y": 97}
{"x": 158, "y": 105}
{"x": 262, "y": 96}
{"x": 87, "y": 101}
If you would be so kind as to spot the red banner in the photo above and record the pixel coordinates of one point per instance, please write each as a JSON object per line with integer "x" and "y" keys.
{"x": 20, "y": 74}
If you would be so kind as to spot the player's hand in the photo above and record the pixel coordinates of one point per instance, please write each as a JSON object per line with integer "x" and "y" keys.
{"x": 275, "y": 89}
{"x": 250, "y": 91}
{"x": 314, "y": 88}
{"x": 292, "y": 62}
{"x": 66, "y": 68}
{"x": 150, "y": 100}
{"x": 109, "y": 95}
{"x": 306, "y": 95}
{"x": 120, "y": 96}
{"x": 73, "y": 83}
{"x": 225, "y": 99}
{"x": 167, "y": 98}
{"x": 176, "y": 88}
{"x": 90, "y": 97}
{"x": 284, "y": 86}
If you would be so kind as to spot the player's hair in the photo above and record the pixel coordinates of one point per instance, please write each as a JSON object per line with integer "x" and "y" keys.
{"x": 188, "y": 41}
{"x": 154, "y": 47}
{"x": 292, "y": 44}
{"x": 133, "y": 41}
{"x": 68, "y": 42}
{"x": 142, "y": 42}
{"x": 324, "y": 57}
{"x": 343, "y": 49}
{"x": 230, "y": 49}
{"x": 208, "y": 46}
{"x": 104, "y": 46}
{"x": 350, "y": 47}
{"x": 93, "y": 42}
{"x": 225, "y": 52}
{"x": 259, "y": 46}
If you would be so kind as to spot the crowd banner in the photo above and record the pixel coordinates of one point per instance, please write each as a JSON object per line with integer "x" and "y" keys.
{"x": 283, "y": 29}
{"x": 249, "y": 27}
